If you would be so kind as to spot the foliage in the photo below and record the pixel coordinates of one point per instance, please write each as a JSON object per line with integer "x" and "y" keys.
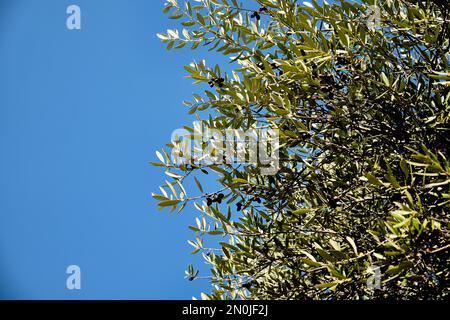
{"x": 363, "y": 114}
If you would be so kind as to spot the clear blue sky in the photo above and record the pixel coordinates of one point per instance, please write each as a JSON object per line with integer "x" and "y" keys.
{"x": 81, "y": 114}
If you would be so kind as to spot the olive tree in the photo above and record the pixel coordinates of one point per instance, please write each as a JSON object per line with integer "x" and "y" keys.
{"x": 356, "y": 94}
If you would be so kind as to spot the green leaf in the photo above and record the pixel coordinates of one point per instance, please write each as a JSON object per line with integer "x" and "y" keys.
{"x": 168, "y": 203}
{"x": 176, "y": 16}
{"x": 173, "y": 175}
{"x": 160, "y": 157}
{"x": 303, "y": 211}
{"x": 327, "y": 285}
{"x": 373, "y": 180}
{"x": 311, "y": 263}
{"x": 437, "y": 184}
{"x": 215, "y": 232}
{"x": 353, "y": 244}
{"x": 198, "y": 184}
{"x": 240, "y": 181}
{"x": 188, "y": 23}
{"x": 405, "y": 168}
{"x": 158, "y": 197}
{"x": 394, "y": 270}
{"x": 385, "y": 79}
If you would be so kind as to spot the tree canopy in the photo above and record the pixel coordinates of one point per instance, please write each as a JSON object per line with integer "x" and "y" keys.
{"x": 358, "y": 93}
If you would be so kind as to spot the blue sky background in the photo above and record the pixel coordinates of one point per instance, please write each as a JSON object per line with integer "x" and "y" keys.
{"x": 81, "y": 114}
